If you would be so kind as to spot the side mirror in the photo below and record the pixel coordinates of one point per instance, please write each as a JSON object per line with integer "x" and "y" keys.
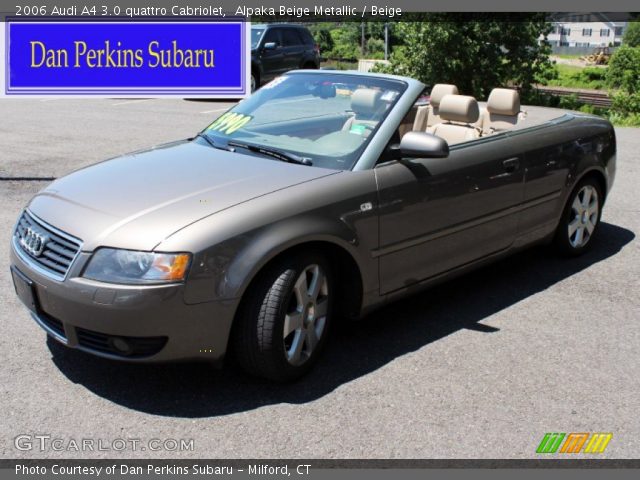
{"x": 423, "y": 145}
{"x": 270, "y": 46}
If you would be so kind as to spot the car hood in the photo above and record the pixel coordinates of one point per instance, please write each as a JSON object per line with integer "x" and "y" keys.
{"x": 138, "y": 200}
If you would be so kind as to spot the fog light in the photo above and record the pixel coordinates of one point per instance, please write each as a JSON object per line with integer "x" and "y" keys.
{"x": 121, "y": 345}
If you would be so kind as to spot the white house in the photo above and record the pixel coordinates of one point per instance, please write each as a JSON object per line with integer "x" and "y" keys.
{"x": 586, "y": 30}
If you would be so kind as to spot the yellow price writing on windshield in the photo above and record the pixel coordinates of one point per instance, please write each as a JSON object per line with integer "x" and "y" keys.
{"x": 230, "y": 122}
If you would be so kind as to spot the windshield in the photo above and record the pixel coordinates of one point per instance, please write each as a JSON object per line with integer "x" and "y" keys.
{"x": 256, "y": 35}
{"x": 325, "y": 119}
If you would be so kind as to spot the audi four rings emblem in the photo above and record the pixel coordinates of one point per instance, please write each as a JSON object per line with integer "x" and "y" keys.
{"x": 33, "y": 242}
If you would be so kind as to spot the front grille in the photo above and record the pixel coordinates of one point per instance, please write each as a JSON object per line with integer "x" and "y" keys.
{"x": 45, "y": 246}
{"x": 120, "y": 346}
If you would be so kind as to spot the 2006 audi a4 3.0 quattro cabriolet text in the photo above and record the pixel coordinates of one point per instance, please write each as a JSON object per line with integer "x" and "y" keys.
{"x": 320, "y": 197}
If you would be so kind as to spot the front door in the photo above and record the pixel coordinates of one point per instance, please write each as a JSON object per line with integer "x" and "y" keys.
{"x": 439, "y": 214}
{"x": 273, "y": 61}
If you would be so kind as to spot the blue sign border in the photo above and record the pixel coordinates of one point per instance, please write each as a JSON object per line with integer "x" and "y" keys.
{"x": 230, "y": 91}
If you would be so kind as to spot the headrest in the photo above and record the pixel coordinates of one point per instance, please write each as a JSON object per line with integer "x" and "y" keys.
{"x": 459, "y": 108}
{"x": 503, "y": 101}
{"x": 439, "y": 90}
{"x": 365, "y": 101}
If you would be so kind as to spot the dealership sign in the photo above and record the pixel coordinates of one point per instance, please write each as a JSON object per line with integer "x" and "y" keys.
{"x": 208, "y": 59}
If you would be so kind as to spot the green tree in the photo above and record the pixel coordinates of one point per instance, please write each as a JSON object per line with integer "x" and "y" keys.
{"x": 632, "y": 35}
{"x": 324, "y": 40}
{"x": 346, "y": 42}
{"x": 476, "y": 55}
{"x": 624, "y": 69}
{"x": 375, "y": 48}
{"x": 623, "y": 76}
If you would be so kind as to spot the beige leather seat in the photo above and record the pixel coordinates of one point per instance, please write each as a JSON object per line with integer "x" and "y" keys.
{"x": 365, "y": 103}
{"x": 408, "y": 121}
{"x": 502, "y": 111}
{"x": 422, "y": 117}
{"x": 429, "y": 115}
{"x": 458, "y": 114}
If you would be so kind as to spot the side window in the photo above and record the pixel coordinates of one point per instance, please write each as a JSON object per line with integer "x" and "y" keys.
{"x": 272, "y": 36}
{"x": 290, "y": 37}
{"x": 307, "y": 38}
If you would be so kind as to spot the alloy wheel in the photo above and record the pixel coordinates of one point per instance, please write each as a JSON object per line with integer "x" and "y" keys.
{"x": 584, "y": 216}
{"x": 306, "y": 318}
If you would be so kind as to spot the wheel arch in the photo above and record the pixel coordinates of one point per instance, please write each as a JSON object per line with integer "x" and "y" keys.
{"x": 256, "y": 69}
{"x": 596, "y": 174}
{"x": 341, "y": 260}
{"x": 593, "y": 172}
{"x": 559, "y": 238}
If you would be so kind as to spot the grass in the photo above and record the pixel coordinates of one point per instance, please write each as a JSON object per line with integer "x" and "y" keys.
{"x": 632, "y": 120}
{"x": 572, "y": 76}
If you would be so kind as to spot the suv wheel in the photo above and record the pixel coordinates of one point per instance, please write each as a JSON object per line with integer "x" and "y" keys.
{"x": 255, "y": 83}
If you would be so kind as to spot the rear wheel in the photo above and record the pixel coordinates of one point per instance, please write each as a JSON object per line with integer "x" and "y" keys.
{"x": 580, "y": 218}
{"x": 284, "y": 323}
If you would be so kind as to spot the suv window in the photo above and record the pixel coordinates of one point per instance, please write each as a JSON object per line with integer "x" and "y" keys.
{"x": 271, "y": 37}
{"x": 290, "y": 37}
{"x": 306, "y": 37}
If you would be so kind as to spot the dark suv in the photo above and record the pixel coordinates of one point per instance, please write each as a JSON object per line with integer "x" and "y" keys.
{"x": 278, "y": 48}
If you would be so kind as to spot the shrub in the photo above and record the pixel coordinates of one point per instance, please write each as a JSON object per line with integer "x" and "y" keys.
{"x": 624, "y": 69}
{"x": 593, "y": 74}
{"x": 625, "y": 103}
{"x": 632, "y": 35}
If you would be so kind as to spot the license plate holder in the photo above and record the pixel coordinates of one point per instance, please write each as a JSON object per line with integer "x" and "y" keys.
{"x": 25, "y": 289}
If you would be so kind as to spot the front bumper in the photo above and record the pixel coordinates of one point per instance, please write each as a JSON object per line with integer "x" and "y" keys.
{"x": 131, "y": 323}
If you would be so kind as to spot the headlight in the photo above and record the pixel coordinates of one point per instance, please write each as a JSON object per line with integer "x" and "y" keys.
{"x": 131, "y": 267}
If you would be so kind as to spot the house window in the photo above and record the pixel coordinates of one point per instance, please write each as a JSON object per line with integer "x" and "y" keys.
{"x": 565, "y": 31}
{"x": 604, "y": 32}
{"x": 586, "y": 32}
{"x": 619, "y": 31}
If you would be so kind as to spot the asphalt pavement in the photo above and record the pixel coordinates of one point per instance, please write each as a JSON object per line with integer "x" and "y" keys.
{"x": 480, "y": 367}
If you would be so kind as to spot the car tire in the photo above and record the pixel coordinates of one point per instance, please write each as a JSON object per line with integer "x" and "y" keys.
{"x": 255, "y": 81}
{"x": 580, "y": 218}
{"x": 284, "y": 322}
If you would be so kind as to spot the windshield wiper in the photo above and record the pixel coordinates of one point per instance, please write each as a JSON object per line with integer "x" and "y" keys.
{"x": 209, "y": 141}
{"x": 272, "y": 152}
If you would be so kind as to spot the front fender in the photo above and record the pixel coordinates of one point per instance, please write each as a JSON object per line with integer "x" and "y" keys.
{"x": 282, "y": 236}
{"x": 224, "y": 271}
{"x": 232, "y": 246}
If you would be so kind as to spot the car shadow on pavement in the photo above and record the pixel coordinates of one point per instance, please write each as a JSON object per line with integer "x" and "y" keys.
{"x": 197, "y": 390}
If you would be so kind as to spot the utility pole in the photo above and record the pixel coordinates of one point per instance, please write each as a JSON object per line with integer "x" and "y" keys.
{"x": 386, "y": 40}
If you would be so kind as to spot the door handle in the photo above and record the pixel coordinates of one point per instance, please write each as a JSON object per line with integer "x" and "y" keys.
{"x": 511, "y": 165}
